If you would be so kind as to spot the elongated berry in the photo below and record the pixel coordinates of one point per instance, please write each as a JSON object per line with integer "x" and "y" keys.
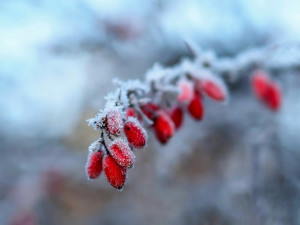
{"x": 135, "y": 133}
{"x": 121, "y": 152}
{"x": 213, "y": 89}
{"x": 115, "y": 174}
{"x": 114, "y": 122}
{"x": 266, "y": 90}
{"x": 186, "y": 91}
{"x": 163, "y": 127}
{"x": 177, "y": 115}
{"x": 273, "y": 97}
{"x": 94, "y": 164}
{"x": 195, "y": 107}
{"x": 260, "y": 83}
{"x": 149, "y": 109}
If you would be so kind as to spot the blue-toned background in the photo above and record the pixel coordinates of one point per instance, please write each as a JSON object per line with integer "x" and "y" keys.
{"x": 57, "y": 60}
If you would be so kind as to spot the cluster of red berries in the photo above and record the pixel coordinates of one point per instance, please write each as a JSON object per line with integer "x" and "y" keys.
{"x": 124, "y": 126}
{"x": 166, "y": 120}
{"x": 266, "y": 90}
{"x": 116, "y": 158}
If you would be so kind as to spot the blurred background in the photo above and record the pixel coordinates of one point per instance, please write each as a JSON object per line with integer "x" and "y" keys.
{"x": 57, "y": 59}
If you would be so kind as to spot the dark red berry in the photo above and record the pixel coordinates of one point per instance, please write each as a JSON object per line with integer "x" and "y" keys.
{"x": 115, "y": 174}
{"x": 135, "y": 133}
{"x": 195, "y": 107}
{"x": 114, "y": 122}
{"x": 177, "y": 115}
{"x": 149, "y": 109}
{"x": 121, "y": 152}
{"x": 94, "y": 164}
{"x": 163, "y": 127}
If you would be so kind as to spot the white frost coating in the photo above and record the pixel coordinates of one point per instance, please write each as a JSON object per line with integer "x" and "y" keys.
{"x": 138, "y": 124}
{"x": 186, "y": 92}
{"x": 114, "y": 122}
{"x": 163, "y": 78}
{"x": 121, "y": 152}
{"x": 95, "y": 146}
{"x": 131, "y": 85}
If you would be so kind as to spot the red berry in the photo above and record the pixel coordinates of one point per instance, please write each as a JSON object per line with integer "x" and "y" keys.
{"x": 266, "y": 90}
{"x": 163, "y": 127}
{"x": 195, "y": 107}
{"x": 121, "y": 152}
{"x": 149, "y": 109}
{"x": 94, "y": 164}
{"x": 177, "y": 115}
{"x": 130, "y": 112}
{"x": 213, "y": 90}
{"x": 186, "y": 91}
{"x": 273, "y": 97}
{"x": 114, "y": 122}
{"x": 115, "y": 174}
{"x": 260, "y": 83}
{"x": 135, "y": 133}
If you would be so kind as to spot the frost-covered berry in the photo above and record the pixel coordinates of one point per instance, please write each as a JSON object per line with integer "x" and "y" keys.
{"x": 273, "y": 97}
{"x": 195, "y": 107}
{"x": 213, "y": 89}
{"x": 114, "y": 122}
{"x": 260, "y": 82}
{"x": 177, "y": 115}
{"x": 115, "y": 174}
{"x": 163, "y": 127}
{"x": 149, "y": 109}
{"x": 121, "y": 152}
{"x": 135, "y": 133}
{"x": 186, "y": 90}
{"x": 94, "y": 164}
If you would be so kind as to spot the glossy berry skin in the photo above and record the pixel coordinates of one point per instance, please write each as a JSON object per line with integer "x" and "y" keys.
{"x": 114, "y": 122}
{"x": 176, "y": 113}
{"x": 195, "y": 107}
{"x": 164, "y": 127}
{"x": 135, "y": 133}
{"x": 150, "y": 109}
{"x": 260, "y": 83}
{"x": 121, "y": 152}
{"x": 94, "y": 164}
{"x": 115, "y": 174}
{"x": 186, "y": 91}
{"x": 213, "y": 90}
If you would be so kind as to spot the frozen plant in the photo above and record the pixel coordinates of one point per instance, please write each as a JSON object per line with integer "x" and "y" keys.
{"x": 158, "y": 104}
